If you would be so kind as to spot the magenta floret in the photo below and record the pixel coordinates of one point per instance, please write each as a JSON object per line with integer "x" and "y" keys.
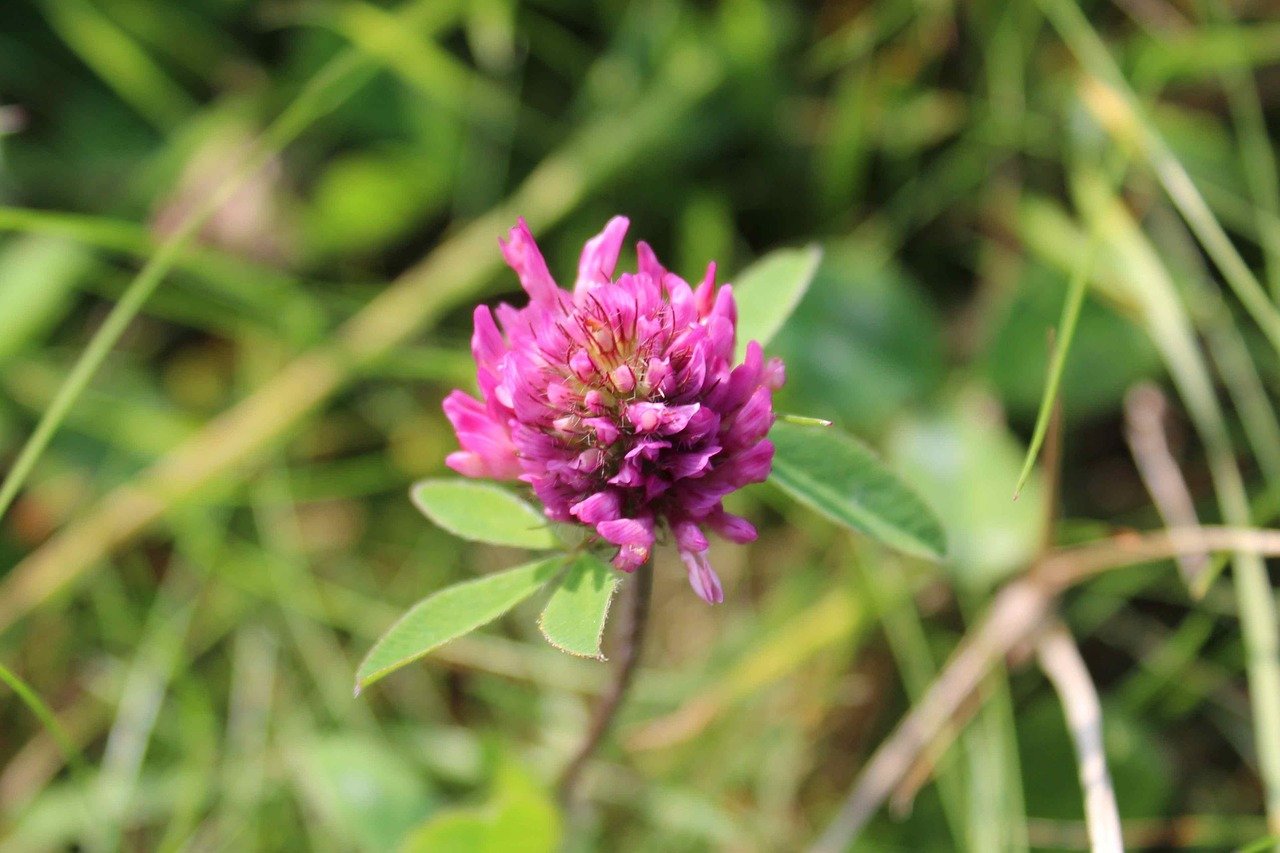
{"x": 619, "y": 403}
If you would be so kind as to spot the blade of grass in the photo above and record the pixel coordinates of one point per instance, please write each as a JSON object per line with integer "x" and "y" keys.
{"x": 70, "y": 754}
{"x": 1226, "y": 344}
{"x": 328, "y": 88}
{"x": 263, "y": 287}
{"x": 1255, "y": 151}
{"x": 456, "y": 270}
{"x": 45, "y": 715}
{"x": 1118, "y": 108}
{"x": 120, "y": 62}
{"x": 1140, "y": 265}
{"x": 890, "y": 595}
{"x": 1065, "y": 334}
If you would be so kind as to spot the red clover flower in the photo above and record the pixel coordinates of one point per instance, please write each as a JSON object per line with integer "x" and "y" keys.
{"x": 619, "y": 402}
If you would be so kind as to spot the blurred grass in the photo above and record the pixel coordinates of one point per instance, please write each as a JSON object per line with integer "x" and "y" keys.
{"x": 951, "y": 159}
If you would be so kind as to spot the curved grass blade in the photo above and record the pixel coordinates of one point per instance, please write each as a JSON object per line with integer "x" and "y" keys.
{"x": 449, "y": 614}
{"x": 1062, "y": 344}
{"x": 45, "y": 715}
{"x": 332, "y": 85}
{"x": 1131, "y": 120}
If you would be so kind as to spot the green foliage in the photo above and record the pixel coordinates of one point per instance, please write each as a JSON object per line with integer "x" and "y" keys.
{"x": 843, "y": 480}
{"x": 573, "y": 620}
{"x": 37, "y": 278}
{"x": 483, "y": 512}
{"x": 371, "y": 793}
{"x": 769, "y": 290}
{"x": 965, "y": 465}
{"x": 519, "y": 816}
{"x": 1108, "y": 357}
{"x": 189, "y": 625}
{"x": 449, "y": 614}
{"x": 864, "y": 343}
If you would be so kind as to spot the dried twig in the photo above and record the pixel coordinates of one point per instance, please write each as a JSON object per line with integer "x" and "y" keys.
{"x": 1061, "y": 662}
{"x": 1145, "y": 408}
{"x": 1012, "y": 619}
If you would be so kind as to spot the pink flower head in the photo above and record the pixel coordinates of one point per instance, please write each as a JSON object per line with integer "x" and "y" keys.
{"x": 619, "y": 403}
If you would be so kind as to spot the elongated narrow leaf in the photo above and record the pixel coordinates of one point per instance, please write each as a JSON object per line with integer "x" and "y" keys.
{"x": 449, "y": 614}
{"x": 37, "y": 281}
{"x": 481, "y": 512}
{"x": 770, "y": 289}
{"x": 835, "y": 474}
{"x": 1066, "y": 333}
{"x": 573, "y": 620}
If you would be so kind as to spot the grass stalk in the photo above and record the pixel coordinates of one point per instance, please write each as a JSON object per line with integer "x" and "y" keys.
{"x": 454, "y": 272}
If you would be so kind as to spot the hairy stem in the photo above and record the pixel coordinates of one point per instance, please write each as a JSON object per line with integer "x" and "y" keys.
{"x": 633, "y": 629}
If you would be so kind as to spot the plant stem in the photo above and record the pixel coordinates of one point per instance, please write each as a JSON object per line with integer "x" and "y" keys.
{"x": 1013, "y": 616}
{"x": 1061, "y": 661}
{"x": 633, "y": 629}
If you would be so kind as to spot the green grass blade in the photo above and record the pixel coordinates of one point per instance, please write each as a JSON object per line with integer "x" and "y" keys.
{"x": 45, "y": 715}
{"x": 120, "y": 62}
{"x": 1062, "y": 345}
{"x": 1254, "y": 143}
{"x": 1138, "y": 262}
{"x": 328, "y": 88}
{"x": 1081, "y": 38}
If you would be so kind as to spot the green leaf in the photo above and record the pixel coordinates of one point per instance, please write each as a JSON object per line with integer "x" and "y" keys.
{"x": 1066, "y": 332}
{"x": 37, "y": 282}
{"x": 769, "y": 290}
{"x": 835, "y": 474}
{"x": 962, "y": 461}
{"x": 362, "y": 789}
{"x": 449, "y": 614}
{"x": 481, "y": 512}
{"x": 573, "y": 620}
{"x": 520, "y": 816}
{"x": 863, "y": 344}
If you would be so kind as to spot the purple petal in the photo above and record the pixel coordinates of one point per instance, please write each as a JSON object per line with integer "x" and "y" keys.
{"x": 487, "y": 450}
{"x": 623, "y": 378}
{"x": 705, "y": 295}
{"x": 689, "y": 536}
{"x": 605, "y": 429}
{"x": 523, "y": 256}
{"x": 647, "y": 262}
{"x": 753, "y": 465}
{"x": 646, "y": 417}
{"x": 702, "y": 577}
{"x": 693, "y": 463}
{"x": 753, "y": 420}
{"x": 775, "y": 374}
{"x": 634, "y": 536}
{"x": 600, "y": 255}
{"x": 602, "y": 506}
{"x": 735, "y": 528}
{"x": 582, "y": 366}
